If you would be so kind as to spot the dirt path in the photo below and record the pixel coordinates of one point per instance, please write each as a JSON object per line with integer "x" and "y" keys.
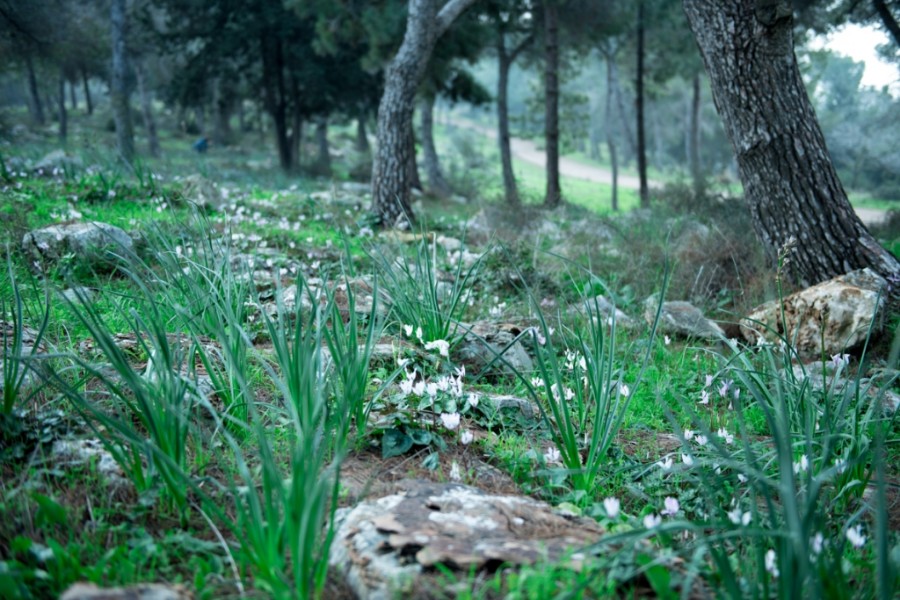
{"x": 528, "y": 151}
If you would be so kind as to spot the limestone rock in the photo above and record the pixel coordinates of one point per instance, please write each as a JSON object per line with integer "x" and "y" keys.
{"x": 481, "y": 344}
{"x": 141, "y": 591}
{"x": 681, "y": 318}
{"x": 837, "y": 313}
{"x": 383, "y": 546}
{"x": 67, "y": 453}
{"x": 606, "y": 309}
{"x": 56, "y": 162}
{"x": 90, "y": 243}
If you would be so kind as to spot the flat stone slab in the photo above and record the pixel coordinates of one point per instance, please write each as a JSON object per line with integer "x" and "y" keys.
{"x": 383, "y": 546}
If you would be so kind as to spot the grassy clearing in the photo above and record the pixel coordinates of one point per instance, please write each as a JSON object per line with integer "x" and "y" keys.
{"x": 234, "y": 369}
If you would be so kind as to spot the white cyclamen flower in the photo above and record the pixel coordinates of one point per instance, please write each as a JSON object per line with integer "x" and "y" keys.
{"x": 442, "y": 346}
{"x": 466, "y": 437}
{"x": 855, "y": 536}
{"x": 611, "y": 506}
{"x": 455, "y": 474}
{"x": 651, "y": 521}
{"x": 552, "y": 455}
{"x": 672, "y": 506}
{"x": 450, "y": 420}
{"x": 665, "y": 464}
{"x": 772, "y": 563}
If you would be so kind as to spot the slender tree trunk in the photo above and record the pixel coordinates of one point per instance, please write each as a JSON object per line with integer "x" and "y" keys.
{"x": 890, "y": 23}
{"x": 436, "y": 182}
{"x": 72, "y": 96}
{"x": 63, "y": 115}
{"x": 119, "y": 89}
{"x": 222, "y": 113}
{"x": 624, "y": 117}
{"x": 275, "y": 97}
{"x": 147, "y": 109}
{"x": 37, "y": 107}
{"x": 609, "y": 127}
{"x": 639, "y": 106}
{"x": 391, "y": 173}
{"x": 551, "y": 103}
{"x": 87, "y": 92}
{"x": 362, "y": 138}
{"x": 789, "y": 180}
{"x": 504, "y": 62}
{"x": 324, "y": 160}
{"x": 694, "y": 138}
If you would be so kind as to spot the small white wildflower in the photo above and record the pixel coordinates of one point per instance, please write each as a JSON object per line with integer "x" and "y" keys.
{"x": 442, "y": 346}
{"x": 739, "y": 518}
{"x": 840, "y": 464}
{"x": 704, "y": 397}
{"x": 450, "y": 420}
{"x": 687, "y": 459}
{"x": 671, "y": 506}
{"x": 839, "y": 360}
{"x": 611, "y": 506}
{"x": 802, "y": 465}
{"x": 466, "y": 437}
{"x": 455, "y": 474}
{"x": 473, "y": 400}
{"x": 688, "y": 434}
{"x": 552, "y": 455}
{"x": 701, "y": 440}
{"x": 651, "y": 521}
{"x": 772, "y": 563}
{"x": 667, "y": 340}
{"x": 855, "y": 536}
{"x": 742, "y": 478}
{"x": 408, "y": 330}
{"x": 725, "y": 435}
{"x": 537, "y": 382}
{"x": 419, "y": 333}
{"x": 817, "y": 542}
{"x": 624, "y": 390}
{"x": 709, "y": 381}
{"x": 665, "y": 464}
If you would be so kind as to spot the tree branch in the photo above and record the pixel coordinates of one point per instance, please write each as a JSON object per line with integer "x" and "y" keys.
{"x": 890, "y": 23}
{"x": 514, "y": 53}
{"x": 449, "y": 13}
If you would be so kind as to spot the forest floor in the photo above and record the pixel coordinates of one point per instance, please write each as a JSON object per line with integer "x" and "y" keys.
{"x": 193, "y": 368}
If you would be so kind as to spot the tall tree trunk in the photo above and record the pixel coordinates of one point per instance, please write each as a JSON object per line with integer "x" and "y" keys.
{"x": 119, "y": 88}
{"x": 147, "y": 109}
{"x": 72, "y": 96}
{"x": 275, "y": 98}
{"x": 609, "y": 127}
{"x": 694, "y": 138}
{"x": 551, "y": 102}
{"x": 504, "y": 62}
{"x": 790, "y": 183}
{"x": 888, "y": 20}
{"x": 624, "y": 117}
{"x": 639, "y": 108}
{"x": 362, "y": 138}
{"x": 87, "y": 92}
{"x": 391, "y": 177}
{"x": 222, "y": 103}
{"x": 63, "y": 115}
{"x": 323, "y": 163}
{"x": 37, "y": 107}
{"x": 437, "y": 184}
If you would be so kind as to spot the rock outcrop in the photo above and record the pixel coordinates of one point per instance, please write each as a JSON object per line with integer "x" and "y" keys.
{"x": 90, "y": 244}
{"x": 681, "y": 318}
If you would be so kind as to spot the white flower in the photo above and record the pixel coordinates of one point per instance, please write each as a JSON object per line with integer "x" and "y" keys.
{"x": 840, "y": 464}
{"x": 839, "y": 360}
{"x": 817, "y": 541}
{"x": 537, "y": 382}
{"x": 611, "y": 506}
{"x": 701, "y": 440}
{"x": 455, "y": 474}
{"x": 431, "y": 388}
{"x": 739, "y": 518}
{"x": 473, "y": 400}
{"x": 723, "y": 433}
{"x": 624, "y": 390}
{"x": 651, "y": 521}
{"x": 667, "y": 340}
{"x": 802, "y": 465}
{"x": 688, "y": 434}
{"x": 709, "y": 381}
{"x": 466, "y": 437}
{"x": 772, "y": 563}
{"x": 742, "y": 478}
{"x": 419, "y": 333}
{"x": 724, "y": 387}
{"x": 665, "y": 464}
{"x": 419, "y": 388}
{"x": 408, "y": 330}
{"x": 687, "y": 459}
{"x": 569, "y": 394}
{"x": 855, "y": 536}
{"x": 672, "y": 506}
{"x": 704, "y": 397}
{"x": 552, "y": 455}
{"x": 450, "y": 420}
{"x": 442, "y": 346}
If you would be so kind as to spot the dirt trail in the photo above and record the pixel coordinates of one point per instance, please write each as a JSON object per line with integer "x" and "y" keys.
{"x": 528, "y": 151}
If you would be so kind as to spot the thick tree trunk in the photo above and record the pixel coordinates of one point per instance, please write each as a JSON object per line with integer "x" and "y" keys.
{"x": 362, "y": 138}
{"x": 275, "y": 98}
{"x": 551, "y": 102}
{"x": 694, "y": 137}
{"x": 87, "y": 93}
{"x": 147, "y": 110}
{"x": 119, "y": 88}
{"x": 437, "y": 184}
{"x": 323, "y": 162}
{"x": 789, "y": 181}
{"x": 63, "y": 115}
{"x": 37, "y": 108}
{"x": 609, "y": 127}
{"x": 504, "y": 62}
{"x": 639, "y": 109}
{"x": 222, "y": 104}
{"x": 391, "y": 176}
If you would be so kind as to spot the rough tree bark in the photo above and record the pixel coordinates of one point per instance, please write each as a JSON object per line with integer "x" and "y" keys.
{"x": 275, "y": 97}
{"x": 362, "y": 138}
{"x": 694, "y": 137}
{"x": 609, "y": 126}
{"x": 390, "y": 168}
{"x": 505, "y": 60}
{"x": 147, "y": 109}
{"x": 551, "y": 102}
{"x": 119, "y": 86}
{"x": 323, "y": 161}
{"x": 639, "y": 109}
{"x": 72, "y": 96}
{"x": 437, "y": 183}
{"x": 789, "y": 181}
{"x": 37, "y": 108}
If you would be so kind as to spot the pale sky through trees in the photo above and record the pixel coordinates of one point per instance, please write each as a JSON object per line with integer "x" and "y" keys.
{"x": 860, "y": 43}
